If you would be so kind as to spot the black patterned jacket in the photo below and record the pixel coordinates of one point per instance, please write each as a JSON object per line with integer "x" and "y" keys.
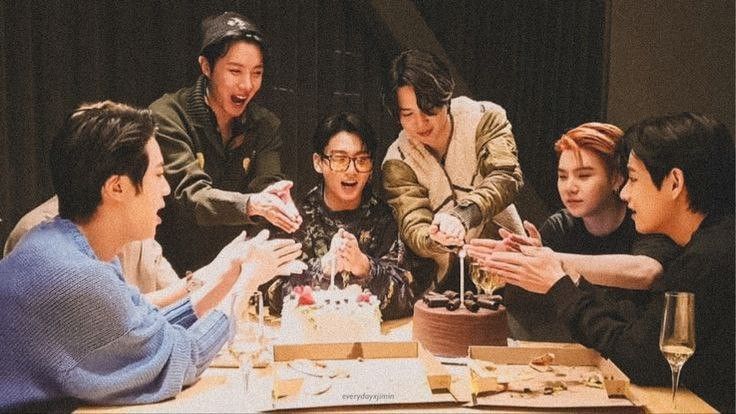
{"x": 373, "y": 225}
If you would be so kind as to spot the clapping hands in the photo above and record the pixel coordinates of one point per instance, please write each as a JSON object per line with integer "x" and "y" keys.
{"x": 275, "y": 204}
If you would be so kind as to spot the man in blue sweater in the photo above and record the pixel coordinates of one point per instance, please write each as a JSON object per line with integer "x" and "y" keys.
{"x": 72, "y": 330}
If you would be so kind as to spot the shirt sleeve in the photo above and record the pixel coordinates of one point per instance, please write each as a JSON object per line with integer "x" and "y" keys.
{"x": 631, "y": 343}
{"x": 122, "y": 352}
{"x": 657, "y": 246}
{"x": 191, "y": 185}
{"x": 391, "y": 282}
{"x": 409, "y": 201}
{"x": 499, "y": 167}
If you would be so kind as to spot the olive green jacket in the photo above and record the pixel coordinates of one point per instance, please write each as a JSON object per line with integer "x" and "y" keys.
{"x": 210, "y": 182}
{"x": 500, "y": 179}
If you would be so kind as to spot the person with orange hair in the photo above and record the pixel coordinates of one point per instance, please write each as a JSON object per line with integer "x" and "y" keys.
{"x": 593, "y": 235}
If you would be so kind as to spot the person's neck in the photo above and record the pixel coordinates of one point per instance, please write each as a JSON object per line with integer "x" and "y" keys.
{"x": 335, "y": 204}
{"x": 606, "y": 219}
{"x": 224, "y": 121}
{"x": 440, "y": 150}
{"x": 104, "y": 235}
{"x": 683, "y": 226}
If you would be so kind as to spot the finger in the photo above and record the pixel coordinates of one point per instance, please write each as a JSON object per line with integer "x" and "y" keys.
{"x": 475, "y": 250}
{"x": 508, "y": 245}
{"x": 504, "y": 233}
{"x": 513, "y": 258}
{"x": 262, "y": 236}
{"x": 519, "y": 239}
{"x": 483, "y": 243}
{"x": 291, "y": 256}
{"x": 531, "y": 229}
{"x": 280, "y": 186}
{"x": 278, "y": 218}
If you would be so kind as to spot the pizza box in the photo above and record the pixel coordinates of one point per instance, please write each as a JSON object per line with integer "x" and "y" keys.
{"x": 547, "y": 378}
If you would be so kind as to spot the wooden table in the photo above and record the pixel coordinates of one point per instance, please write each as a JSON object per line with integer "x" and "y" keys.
{"x": 223, "y": 390}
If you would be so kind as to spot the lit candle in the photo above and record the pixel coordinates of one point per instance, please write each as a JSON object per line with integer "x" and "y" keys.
{"x": 332, "y": 272}
{"x": 461, "y": 255}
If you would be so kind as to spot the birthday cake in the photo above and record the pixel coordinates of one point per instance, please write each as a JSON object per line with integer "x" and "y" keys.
{"x": 447, "y": 326}
{"x": 332, "y": 315}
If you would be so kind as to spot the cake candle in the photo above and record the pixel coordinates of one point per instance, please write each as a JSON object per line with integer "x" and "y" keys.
{"x": 461, "y": 255}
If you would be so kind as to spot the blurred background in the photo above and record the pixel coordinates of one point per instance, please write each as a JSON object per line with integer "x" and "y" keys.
{"x": 551, "y": 64}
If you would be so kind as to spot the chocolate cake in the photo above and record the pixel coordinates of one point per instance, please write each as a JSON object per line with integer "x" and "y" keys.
{"x": 449, "y": 333}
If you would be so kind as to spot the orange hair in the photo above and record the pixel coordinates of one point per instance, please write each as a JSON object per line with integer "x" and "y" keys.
{"x": 603, "y": 139}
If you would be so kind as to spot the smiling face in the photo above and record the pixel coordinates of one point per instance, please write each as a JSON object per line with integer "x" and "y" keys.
{"x": 430, "y": 130}
{"x": 650, "y": 206}
{"x": 585, "y": 185}
{"x": 235, "y": 79}
{"x": 143, "y": 206}
{"x": 343, "y": 190}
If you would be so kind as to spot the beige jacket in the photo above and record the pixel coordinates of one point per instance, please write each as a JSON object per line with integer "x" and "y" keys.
{"x": 477, "y": 182}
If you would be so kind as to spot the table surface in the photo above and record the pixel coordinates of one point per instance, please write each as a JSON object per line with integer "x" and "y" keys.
{"x": 222, "y": 389}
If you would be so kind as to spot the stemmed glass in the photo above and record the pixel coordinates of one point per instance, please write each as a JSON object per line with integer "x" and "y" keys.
{"x": 484, "y": 280}
{"x": 477, "y": 275}
{"x": 248, "y": 341}
{"x": 677, "y": 334}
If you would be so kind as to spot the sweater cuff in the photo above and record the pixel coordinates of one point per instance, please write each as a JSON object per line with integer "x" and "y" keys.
{"x": 210, "y": 334}
{"x": 469, "y": 214}
{"x": 565, "y": 294}
{"x": 180, "y": 313}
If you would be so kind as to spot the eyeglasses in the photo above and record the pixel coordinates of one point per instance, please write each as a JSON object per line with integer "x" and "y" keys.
{"x": 341, "y": 162}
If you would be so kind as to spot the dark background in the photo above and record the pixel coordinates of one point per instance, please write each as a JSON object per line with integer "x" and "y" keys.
{"x": 551, "y": 64}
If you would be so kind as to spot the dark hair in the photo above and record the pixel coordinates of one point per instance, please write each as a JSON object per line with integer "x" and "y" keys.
{"x": 427, "y": 73}
{"x": 96, "y": 142}
{"x": 697, "y": 144}
{"x": 220, "y": 32}
{"x": 330, "y": 125}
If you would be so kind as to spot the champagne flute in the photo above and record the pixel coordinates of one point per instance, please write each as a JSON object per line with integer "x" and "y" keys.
{"x": 477, "y": 274}
{"x": 492, "y": 282}
{"x": 677, "y": 334}
{"x": 247, "y": 340}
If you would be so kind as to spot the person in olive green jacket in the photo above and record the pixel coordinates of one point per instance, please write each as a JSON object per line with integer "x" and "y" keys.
{"x": 221, "y": 150}
{"x": 452, "y": 174}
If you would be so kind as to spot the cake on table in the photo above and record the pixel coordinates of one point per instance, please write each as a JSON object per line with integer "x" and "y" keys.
{"x": 447, "y": 326}
{"x": 331, "y": 315}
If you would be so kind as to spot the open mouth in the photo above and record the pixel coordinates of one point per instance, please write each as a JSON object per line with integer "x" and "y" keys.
{"x": 349, "y": 184}
{"x": 238, "y": 100}
{"x": 425, "y": 134}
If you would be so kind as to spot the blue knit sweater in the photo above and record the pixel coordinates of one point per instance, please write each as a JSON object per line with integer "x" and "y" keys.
{"x": 72, "y": 328}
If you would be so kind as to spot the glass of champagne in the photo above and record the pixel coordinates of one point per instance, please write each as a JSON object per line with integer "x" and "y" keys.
{"x": 477, "y": 274}
{"x": 677, "y": 334}
{"x": 247, "y": 336}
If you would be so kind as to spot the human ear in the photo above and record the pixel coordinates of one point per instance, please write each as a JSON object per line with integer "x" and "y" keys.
{"x": 317, "y": 163}
{"x": 617, "y": 183}
{"x": 676, "y": 182}
{"x": 204, "y": 66}
{"x": 113, "y": 188}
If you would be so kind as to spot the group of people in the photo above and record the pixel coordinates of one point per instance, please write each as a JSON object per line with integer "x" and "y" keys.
{"x": 98, "y": 310}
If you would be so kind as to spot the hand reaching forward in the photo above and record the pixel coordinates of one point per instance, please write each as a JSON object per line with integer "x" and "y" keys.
{"x": 447, "y": 230}
{"x": 275, "y": 204}
{"x": 535, "y": 269}
{"x": 270, "y": 258}
{"x": 513, "y": 242}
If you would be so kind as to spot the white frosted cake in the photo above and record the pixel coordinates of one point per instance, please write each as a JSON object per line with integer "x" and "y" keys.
{"x": 333, "y": 315}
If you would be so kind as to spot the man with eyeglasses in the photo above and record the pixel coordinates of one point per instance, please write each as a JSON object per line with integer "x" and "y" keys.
{"x": 345, "y": 224}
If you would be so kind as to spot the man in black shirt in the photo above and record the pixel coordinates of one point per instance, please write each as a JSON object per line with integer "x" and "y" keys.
{"x": 681, "y": 184}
